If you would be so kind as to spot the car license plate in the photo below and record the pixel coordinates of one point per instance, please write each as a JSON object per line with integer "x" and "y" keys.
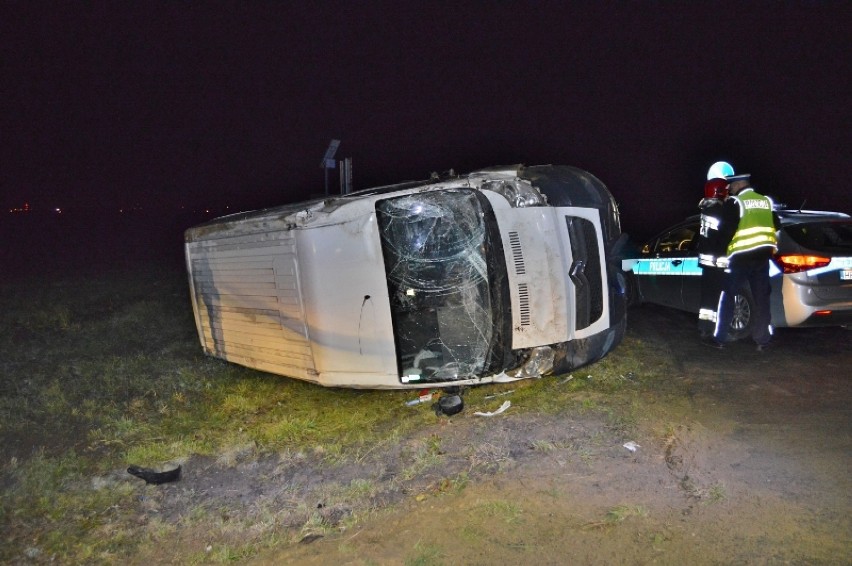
{"x": 846, "y": 274}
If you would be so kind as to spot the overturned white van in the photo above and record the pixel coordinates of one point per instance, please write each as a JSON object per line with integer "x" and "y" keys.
{"x": 497, "y": 275}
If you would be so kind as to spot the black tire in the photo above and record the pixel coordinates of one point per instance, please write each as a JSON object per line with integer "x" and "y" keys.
{"x": 634, "y": 299}
{"x": 448, "y": 405}
{"x": 743, "y": 320}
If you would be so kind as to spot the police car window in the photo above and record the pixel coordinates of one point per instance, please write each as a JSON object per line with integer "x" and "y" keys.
{"x": 677, "y": 241}
{"x": 693, "y": 241}
{"x": 823, "y": 236}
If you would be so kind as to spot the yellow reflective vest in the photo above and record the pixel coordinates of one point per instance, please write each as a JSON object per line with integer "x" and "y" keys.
{"x": 756, "y": 228}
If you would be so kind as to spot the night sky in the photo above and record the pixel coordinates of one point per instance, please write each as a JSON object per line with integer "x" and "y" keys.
{"x": 110, "y": 105}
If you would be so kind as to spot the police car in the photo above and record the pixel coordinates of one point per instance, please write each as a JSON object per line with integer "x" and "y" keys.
{"x": 811, "y": 274}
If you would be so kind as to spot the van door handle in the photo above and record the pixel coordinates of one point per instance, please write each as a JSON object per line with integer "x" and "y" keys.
{"x": 677, "y": 262}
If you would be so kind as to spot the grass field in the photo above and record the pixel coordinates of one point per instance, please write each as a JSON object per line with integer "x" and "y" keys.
{"x": 104, "y": 370}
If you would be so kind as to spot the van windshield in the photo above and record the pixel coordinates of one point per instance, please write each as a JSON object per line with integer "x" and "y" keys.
{"x": 436, "y": 246}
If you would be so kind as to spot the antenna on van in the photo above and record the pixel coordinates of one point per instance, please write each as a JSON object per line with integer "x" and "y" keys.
{"x": 328, "y": 161}
{"x": 802, "y": 205}
{"x": 346, "y": 176}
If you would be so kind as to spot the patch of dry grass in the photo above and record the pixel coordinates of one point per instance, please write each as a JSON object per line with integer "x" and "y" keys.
{"x": 105, "y": 372}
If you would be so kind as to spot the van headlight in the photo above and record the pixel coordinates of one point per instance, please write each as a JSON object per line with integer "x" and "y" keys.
{"x": 519, "y": 193}
{"x": 538, "y": 363}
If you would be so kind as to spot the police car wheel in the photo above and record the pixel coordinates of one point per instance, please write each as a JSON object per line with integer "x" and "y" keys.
{"x": 743, "y": 319}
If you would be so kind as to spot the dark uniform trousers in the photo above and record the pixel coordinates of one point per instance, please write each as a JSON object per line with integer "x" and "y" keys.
{"x": 712, "y": 280}
{"x": 751, "y": 267}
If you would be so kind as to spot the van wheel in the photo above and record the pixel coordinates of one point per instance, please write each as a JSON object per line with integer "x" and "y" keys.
{"x": 631, "y": 290}
{"x": 743, "y": 320}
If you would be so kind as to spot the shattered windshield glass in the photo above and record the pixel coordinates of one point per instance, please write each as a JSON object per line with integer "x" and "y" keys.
{"x": 435, "y": 245}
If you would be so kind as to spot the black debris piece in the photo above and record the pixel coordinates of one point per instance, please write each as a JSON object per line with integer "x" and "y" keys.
{"x": 154, "y": 477}
{"x": 448, "y": 405}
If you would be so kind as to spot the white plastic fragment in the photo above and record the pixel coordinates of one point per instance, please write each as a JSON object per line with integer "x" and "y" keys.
{"x": 509, "y": 392}
{"x": 503, "y": 407}
{"x": 632, "y": 446}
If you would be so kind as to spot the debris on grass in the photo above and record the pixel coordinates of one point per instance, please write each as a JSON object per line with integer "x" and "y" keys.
{"x": 503, "y": 407}
{"x": 425, "y": 397}
{"x": 154, "y": 477}
{"x": 494, "y": 395}
{"x": 448, "y": 405}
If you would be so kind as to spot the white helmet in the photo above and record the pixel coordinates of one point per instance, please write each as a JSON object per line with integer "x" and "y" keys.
{"x": 720, "y": 169}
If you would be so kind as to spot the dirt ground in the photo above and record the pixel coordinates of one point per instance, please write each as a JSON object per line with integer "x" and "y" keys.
{"x": 746, "y": 461}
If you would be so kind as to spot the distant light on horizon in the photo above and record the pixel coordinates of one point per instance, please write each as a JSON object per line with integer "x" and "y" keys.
{"x": 25, "y": 208}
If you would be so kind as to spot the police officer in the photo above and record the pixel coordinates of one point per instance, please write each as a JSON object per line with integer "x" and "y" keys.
{"x": 712, "y": 252}
{"x": 750, "y": 248}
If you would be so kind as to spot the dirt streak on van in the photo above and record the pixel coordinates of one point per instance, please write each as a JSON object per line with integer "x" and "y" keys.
{"x": 500, "y": 274}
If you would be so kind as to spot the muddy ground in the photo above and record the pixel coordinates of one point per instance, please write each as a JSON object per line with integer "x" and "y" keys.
{"x": 743, "y": 458}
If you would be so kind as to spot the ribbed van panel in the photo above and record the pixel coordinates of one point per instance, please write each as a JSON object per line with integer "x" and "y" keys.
{"x": 248, "y": 305}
